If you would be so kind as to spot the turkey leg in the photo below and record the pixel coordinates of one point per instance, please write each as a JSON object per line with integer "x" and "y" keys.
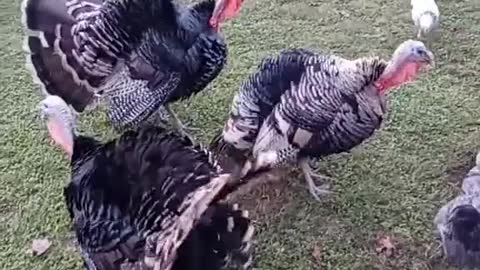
{"x": 315, "y": 190}
{"x": 178, "y": 125}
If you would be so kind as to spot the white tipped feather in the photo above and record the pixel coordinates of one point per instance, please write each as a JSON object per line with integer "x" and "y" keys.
{"x": 425, "y": 15}
{"x": 28, "y": 61}
{"x": 477, "y": 160}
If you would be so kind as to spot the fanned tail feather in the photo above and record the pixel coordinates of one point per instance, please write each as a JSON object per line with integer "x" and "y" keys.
{"x": 232, "y": 235}
{"x": 222, "y": 238}
{"x": 49, "y": 45}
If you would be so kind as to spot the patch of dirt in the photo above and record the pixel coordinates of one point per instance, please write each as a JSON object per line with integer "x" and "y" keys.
{"x": 264, "y": 196}
{"x": 460, "y": 167}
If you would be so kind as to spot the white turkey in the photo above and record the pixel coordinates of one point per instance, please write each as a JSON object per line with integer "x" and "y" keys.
{"x": 301, "y": 105}
{"x": 458, "y": 223}
{"x": 138, "y": 56}
{"x": 425, "y": 15}
{"x": 143, "y": 188}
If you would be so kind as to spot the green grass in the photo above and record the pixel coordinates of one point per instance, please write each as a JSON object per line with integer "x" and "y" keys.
{"x": 392, "y": 185}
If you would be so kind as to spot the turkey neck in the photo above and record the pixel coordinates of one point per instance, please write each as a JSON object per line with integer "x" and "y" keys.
{"x": 386, "y": 81}
{"x": 198, "y": 16}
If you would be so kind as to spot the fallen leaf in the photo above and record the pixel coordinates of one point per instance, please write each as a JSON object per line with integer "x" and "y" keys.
{"x": 385, "y": 246}
{"x": 317, "y": 254}
{"x": 40, "y": 246}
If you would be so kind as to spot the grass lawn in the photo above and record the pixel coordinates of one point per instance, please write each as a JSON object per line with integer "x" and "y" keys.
{"x": 392, "y": 185}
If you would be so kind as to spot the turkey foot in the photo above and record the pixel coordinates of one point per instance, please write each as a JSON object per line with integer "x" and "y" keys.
{"x": 179, "y": 126}
{"x": 316, "y": 191}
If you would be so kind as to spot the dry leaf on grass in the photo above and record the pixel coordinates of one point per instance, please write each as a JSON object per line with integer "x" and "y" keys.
{"x": 317, "y": 254}
{"x": 40, "y": 246}
{"x": 385, "y": 246}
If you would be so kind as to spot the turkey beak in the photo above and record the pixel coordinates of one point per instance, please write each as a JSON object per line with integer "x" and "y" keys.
{"x": 429, "y": 59}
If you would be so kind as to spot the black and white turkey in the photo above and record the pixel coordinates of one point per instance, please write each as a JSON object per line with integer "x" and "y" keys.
{"x": 136, "y": 56}
{"x": 143, "y": 188}
{"x": 458, "y": 223}
{"x": 301, "y": 105}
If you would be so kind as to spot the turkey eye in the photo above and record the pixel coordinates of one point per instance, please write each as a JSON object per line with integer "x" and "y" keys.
{"x": 420, "y": 51}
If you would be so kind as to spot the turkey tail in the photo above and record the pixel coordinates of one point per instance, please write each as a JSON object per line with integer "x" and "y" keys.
{"x": 49, "y": 46}
{"x": 229, "y": 235}
{"x": 192, "y": 209}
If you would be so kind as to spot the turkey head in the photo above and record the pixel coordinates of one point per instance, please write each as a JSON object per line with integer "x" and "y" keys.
{"x": 408, "y": 60}
{"x": 60, "y": 122}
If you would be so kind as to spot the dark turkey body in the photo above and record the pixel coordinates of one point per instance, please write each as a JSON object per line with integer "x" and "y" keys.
{"x": 192, "y": 50}
{"x": 171, "y": 61}
{"x": 170, "y": 65}
{"x": 122, "y": 191}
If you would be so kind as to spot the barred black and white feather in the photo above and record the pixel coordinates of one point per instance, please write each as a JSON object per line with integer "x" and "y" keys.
{"x": 152, "y": 184}
{"x": 135, "y": 56}
{"x": 73, "y": 46}
{"x": 458, "y": 223}
{"x": 293, "y": 97}
{"x": 149, "y": 199}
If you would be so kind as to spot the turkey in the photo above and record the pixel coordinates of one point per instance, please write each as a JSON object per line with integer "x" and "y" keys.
{"x": 143, "y": 188}
{"x": 458, "y": 223}
{"x": 300, "y": 106}
{"x": 425, "y": 15}
{"x": 136, "y": 56}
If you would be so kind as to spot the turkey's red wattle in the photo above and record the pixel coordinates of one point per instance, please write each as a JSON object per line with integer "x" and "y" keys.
{"x": 406, "y": 74}
{"x": 230, "y": 10}
{"x": 57, "y": 132}
{"x": 214, "y": 24}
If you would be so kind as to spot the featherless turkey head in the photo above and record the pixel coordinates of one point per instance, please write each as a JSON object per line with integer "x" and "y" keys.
{"x": 409, "y": 59}
{"x": 224, "y": 10}
{"x": 465, "y": 220}
{"x": 60, "y": 121}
